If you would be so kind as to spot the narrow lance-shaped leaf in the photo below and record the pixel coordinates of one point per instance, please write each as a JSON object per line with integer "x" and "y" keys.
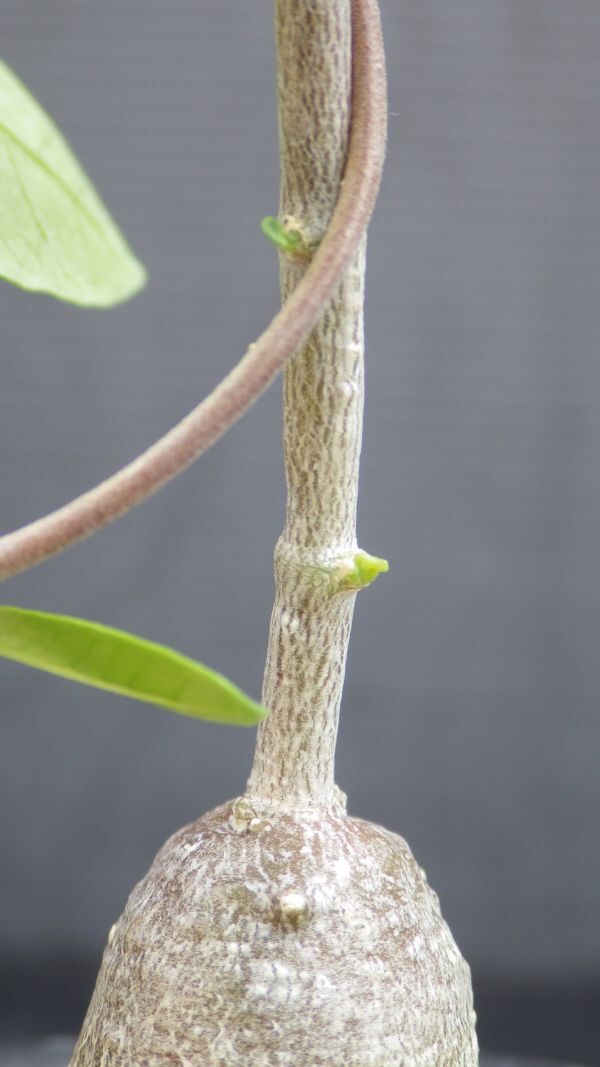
{"x": 55, "y": 234}
{"x": 122, "y": 663}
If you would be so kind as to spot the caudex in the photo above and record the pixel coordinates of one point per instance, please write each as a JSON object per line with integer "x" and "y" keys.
{"x": 276, "y": 929}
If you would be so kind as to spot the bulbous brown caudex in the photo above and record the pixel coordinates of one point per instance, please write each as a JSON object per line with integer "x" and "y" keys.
{"x": 263, "y": 939}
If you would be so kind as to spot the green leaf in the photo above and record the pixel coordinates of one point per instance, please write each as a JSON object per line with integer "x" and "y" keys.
{"x": 111, "y": 659}
{"x": 55, "y": 234}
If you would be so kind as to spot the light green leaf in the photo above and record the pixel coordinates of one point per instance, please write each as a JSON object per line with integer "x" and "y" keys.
{"x": 111, "y": 659}
{"x": 55, "y": 234}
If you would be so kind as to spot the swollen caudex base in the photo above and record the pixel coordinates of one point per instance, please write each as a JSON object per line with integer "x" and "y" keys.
{"x": 299, "y": 939}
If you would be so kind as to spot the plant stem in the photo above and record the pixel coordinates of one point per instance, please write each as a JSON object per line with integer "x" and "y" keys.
{"x": 323, "y": 402}
{"x": 200, "y": 429}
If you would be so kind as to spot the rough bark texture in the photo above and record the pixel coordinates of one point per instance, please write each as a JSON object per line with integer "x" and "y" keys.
{"x": 310, "y": 624}
{"x": 276, "y": 930}
{"x": 323, "y": 404}
{"x": 267, "y": 940}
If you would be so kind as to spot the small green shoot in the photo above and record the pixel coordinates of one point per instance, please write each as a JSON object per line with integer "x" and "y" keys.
{"x": 56, "y": 236}
{"x": 287, "y": 240}
{"x": 365, "y": 570}
{"x": 111, "y": 659}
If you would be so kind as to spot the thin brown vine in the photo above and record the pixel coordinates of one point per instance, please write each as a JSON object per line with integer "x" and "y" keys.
{"x": 172, "y": 453}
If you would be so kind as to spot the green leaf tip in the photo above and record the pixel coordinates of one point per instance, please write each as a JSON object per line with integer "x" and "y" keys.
{"x": 56, "y": 236}
{"x": 285, "y": 237}
{"x": 113, "y": 660}
{"x": 365, "y": 570}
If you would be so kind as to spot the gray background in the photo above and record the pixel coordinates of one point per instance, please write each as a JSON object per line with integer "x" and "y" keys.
{"x": 470, "y": 722}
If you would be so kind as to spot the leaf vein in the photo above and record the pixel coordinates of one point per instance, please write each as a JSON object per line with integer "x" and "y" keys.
{"x": 40, "y": 162}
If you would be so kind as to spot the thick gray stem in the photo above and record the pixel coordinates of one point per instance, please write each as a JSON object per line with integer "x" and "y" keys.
{"x": 323, "y": 402}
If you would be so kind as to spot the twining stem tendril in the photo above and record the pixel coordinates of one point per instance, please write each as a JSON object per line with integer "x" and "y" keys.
{"x": 172, "y": 453}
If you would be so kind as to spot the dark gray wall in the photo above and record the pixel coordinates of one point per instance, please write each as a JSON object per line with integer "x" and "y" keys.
{"x": 471, "y": 713}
